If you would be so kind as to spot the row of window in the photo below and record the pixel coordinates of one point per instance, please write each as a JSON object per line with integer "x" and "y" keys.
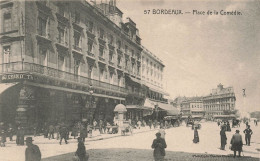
{"x": 220, "y": 100}
{"x": 211, "y": 108}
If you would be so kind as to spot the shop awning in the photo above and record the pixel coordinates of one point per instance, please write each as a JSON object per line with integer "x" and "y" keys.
{"x": 132, "y": 106}
{"x": 159, "y": 90}
{"x": 146, "y": 110}
{"x": 149, "y": 104}
{"x": 5, "y": 86}
{"x": 134, "y": 80}
{"x": 169, "y": 108}
{"x": 137, "y": 107}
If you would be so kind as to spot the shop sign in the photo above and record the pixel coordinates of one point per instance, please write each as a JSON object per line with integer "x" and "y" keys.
{"x": 16, "y": 76}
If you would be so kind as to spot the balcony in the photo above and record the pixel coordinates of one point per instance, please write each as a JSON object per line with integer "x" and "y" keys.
{"x": 39, "y": 70}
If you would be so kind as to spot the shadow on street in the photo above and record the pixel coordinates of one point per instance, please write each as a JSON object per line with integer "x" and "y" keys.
{"x": 145, "y": 155}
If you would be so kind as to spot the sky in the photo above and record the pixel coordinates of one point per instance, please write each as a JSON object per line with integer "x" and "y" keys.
{"x": 201, "y": 51}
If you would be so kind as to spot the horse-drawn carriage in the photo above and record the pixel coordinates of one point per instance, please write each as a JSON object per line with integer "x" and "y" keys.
{"x": 172, "y": 120}
{"x": 235, "y": 123}
{"x": 126, "y": 128}
{"x": 194, "y": 122}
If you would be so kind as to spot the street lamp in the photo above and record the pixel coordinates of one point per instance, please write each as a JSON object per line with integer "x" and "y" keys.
{"x": 91, "y": 102}
{"x": 156, "y": 111}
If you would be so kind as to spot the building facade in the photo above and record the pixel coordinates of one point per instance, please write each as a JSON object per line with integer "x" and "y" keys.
{"x": 220, "y": 101}
{"x": 192, "y": 106}
{"x": 68, "y": 60}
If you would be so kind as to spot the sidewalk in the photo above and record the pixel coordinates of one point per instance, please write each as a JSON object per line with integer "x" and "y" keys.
{"x": 95, "y": 136}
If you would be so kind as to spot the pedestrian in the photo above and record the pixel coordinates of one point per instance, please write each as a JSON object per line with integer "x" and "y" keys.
{"x": 83, "y": 133}
{"x": 57, "y": 130}
{"x": 101, "y": 126}
{"x": 236, "y": 143}
{"x": 32, "y": 152}
{"x": 196, "y": 138}
{"x": 150, "y": 123}
{"x": 161, "y": 124}
{"x": 51, "y": 131}
{"x": 95, "y": 125}
{"x": 74, "y": 132}
{"x": 139, "y": 124}
{"x": 225, "y": 125}
{"x": 89, "y": 130}
{"x": 20, "y": 136}
{"x": 105, "y": 126}
{"x": 45, "y": 130}
{"x": 2, "y": 138}
{"x": 159, "y": 146}
{"x": 248, "y": 132}
{"x": 81, "y": 152}
{"x": 63, "y": 134}
{"x": 35, "y": 130}
{"x": 228, "y": 126}
{"x": 10, "y": 132}
{"x": 223, "y": 138}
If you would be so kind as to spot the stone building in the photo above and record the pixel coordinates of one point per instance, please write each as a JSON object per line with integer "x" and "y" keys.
{"x": 68, "y": 61}
{"x": 192, "y": 106}
{"x": 220, "y": 101}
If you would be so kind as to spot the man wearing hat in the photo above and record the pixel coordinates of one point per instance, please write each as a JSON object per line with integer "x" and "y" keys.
{"x": 32, "y": 152}
{"x": 236, "y": 143}
{"x": 248, "y": 132}
{"x": 159, "y": 146}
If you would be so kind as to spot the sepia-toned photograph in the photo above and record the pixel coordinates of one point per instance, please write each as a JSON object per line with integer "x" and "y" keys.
{"x": 129, "y": 80}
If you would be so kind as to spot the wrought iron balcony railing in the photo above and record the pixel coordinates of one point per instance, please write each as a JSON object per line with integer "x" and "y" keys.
{"x": 19, "y": 67}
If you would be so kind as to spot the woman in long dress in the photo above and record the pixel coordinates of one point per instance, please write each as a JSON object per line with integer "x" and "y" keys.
{"x": 223, "y": 138}
{"x": 196, "y": 138}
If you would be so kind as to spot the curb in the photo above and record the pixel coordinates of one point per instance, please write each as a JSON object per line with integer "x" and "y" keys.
{"x": 90, "y": 140}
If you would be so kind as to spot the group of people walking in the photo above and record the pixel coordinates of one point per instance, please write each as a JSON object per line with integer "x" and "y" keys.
{"x": 236, "y": 140}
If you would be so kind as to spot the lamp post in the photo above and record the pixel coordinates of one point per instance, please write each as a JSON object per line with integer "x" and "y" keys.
{"x": 91, "y": 102}
{"x": 156, "y": 111}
